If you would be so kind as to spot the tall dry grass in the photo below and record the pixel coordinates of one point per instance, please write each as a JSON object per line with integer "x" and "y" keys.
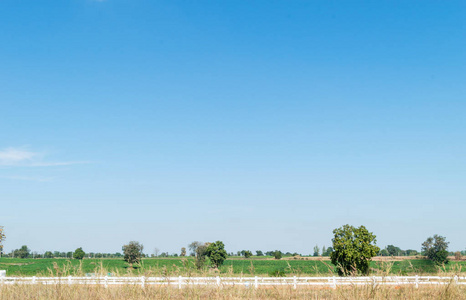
{"x": 136, "y": 292}
{"x": 52, "y": 292}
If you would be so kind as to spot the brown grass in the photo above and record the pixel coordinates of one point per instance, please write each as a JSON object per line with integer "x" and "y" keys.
{"x": 46, "y": 292}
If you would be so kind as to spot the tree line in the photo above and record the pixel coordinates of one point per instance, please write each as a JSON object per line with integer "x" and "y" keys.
{"x": 351, "y": 252}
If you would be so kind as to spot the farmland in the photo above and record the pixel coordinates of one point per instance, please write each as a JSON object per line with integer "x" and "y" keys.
{"x": 232, "y": 266}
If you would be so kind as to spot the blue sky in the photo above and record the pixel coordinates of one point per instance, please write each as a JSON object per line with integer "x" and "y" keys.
{"x": 264, "y": 124}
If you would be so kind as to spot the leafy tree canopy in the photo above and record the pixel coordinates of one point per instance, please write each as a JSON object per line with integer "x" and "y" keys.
{"x": 216, "y": 253}
{"x": 132, "y": 252}
{"x": 353, "y": 249}
{"x": 435, "y": 248}
{"x": 79, "y": 253}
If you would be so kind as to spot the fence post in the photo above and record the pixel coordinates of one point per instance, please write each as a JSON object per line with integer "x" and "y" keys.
{"x": 33, "y": 280}
{"x": 334, "y": 283}
{"x": 417, "y": 281}
{"x": 456, "y": 279}
{"x": 294, "y": 282}
{"x": 69, "y": 279}
{"x": 106, "y": 281}
{"x": 143, "y": 281}
{"x": 218, "y": 280}
{"x": 256, "y": 284}
{"x": 180, "y": 281}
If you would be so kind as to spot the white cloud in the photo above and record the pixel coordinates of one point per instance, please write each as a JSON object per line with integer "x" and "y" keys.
{"x": 27, "y": 178}
{"x": 13, "y": 156}
{"x": 17, "y": 157}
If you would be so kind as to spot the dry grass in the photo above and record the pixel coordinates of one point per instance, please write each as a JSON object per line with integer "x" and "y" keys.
{"x": 136, "y": 292}
{"x": 47, "y": 292}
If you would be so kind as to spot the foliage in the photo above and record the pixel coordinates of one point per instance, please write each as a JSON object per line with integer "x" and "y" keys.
{"x": 316, "y": 251}
{"x": 384, "y": 252}
{"x": 216, "y": 253}
{"x": 200, "y": 256}
{"x": 395, "y": 251}
{"x": 132, "y": 252}
{"x": 78, "y": 253}
{"x": 247, "y": 254}
{"x": 327, "y": 251}
{"x": 193, "y": 247}
{"x": 183, "y": 251}
{"x": 277, "y": 254}
{"x": 436, "y": 249}
{"x": 259, "y": 253}
{"x": 353, "y": 249}
{"x": 22, "y": 252}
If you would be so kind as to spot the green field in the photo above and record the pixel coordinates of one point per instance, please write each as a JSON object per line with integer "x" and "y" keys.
{"x": 185, "y": 267}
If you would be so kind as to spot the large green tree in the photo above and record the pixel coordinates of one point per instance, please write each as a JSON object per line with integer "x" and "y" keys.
{"x": 79, "y": 253}
{"x": 216, "y": 253}
{"x": 132, "y": 252}
{"x": 436, "y": 249}
{"x": 353, "y": 249}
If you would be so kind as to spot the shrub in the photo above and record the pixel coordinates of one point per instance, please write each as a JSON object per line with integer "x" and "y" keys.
{"x": 277, "y": 254}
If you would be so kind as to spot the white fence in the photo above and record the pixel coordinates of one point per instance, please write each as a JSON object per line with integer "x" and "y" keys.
{"x": 255, "y": 282}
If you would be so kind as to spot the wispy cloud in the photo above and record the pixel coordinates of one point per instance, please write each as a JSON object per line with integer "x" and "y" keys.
{"x": 14, "y": 156}
{"x": 18, "y": 157}
{"x": 27, "y": 178}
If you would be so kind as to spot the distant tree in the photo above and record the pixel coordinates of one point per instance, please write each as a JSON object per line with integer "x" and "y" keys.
{"x": 277, "y": 254}
{"x": 216, "y": 253}
{"x": 323, "y": 250}
{"x": 2, "y": 238}
{"x": 247, "y": 254}
{"x": 78, "y": 253}
{"x": 327, "y": 251}
{"x": 193, "y": 247}
{"x": 48, "y": 254}
{"x": 200, "y": 256}
{"x": 458, "y": 255}
{"x": 132, "y": 252}
{"x": 316, "y": 251}
{"x": 384, "y": 252}
{"x": 395, "y": 251}
{"x": 259, "y": 253}
{"x": 436, "y": 249}
{"x": 22, "y": 252}
{"x": 156, "y": 252}
{"x": 353, "y": 249}
{"x": 183, "y": 251}
{"x": 411, "y": 252}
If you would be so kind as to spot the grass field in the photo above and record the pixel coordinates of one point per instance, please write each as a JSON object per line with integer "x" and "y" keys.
{"x": 185, "y": 267}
